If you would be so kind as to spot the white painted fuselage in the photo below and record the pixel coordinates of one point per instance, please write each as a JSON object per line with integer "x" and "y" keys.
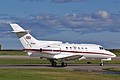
{"x": 64, "y": 50}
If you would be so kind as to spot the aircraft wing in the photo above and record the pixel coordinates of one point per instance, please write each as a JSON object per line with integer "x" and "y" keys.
{"x": 71, "y": 57}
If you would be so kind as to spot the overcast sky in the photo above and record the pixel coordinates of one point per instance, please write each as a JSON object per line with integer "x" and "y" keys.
{"x": 74, "y": 21}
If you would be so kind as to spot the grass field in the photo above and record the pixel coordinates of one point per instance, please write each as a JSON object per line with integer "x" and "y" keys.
{"x": 12, "y": 52}
{"x": 52, "y": 74}
{"x": 23, "y": 61}
{"x": 113, "y": 69}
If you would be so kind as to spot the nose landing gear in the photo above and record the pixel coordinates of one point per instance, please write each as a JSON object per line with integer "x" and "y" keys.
{"x": 101, "y": 64}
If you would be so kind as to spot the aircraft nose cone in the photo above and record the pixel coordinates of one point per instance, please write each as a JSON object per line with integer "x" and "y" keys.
{"x": 113, "y": 55}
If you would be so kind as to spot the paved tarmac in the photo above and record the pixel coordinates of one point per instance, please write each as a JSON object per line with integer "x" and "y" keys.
{"x": 77, "y": 67}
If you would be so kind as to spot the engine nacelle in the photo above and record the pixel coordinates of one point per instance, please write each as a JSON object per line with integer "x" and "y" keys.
{"x": 50, "y": 50}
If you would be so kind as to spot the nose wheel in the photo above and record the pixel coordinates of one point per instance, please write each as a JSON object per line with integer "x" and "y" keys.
{"x": 101, "y": 64}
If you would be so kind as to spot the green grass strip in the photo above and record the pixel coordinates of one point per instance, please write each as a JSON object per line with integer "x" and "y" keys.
{"x": 52, "y": 74}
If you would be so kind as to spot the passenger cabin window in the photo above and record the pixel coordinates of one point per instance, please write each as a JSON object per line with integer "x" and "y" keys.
{"x": 101, "y": 48}
{"x": 75, "y": 48}
{"x": 66, "y": 47}
{"x": 82, "y": 48}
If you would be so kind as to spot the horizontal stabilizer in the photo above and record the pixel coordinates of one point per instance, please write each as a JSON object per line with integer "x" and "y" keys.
{"x": 16, "y": 28}
{"x": 26, "y": 31}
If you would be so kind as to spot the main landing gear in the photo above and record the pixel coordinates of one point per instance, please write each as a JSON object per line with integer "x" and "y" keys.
{"x": 54, "y": 64}
{"x": 63, "y": 64}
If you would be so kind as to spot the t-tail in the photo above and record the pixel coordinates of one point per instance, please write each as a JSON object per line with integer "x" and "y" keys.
{"x": 25, "y": 38}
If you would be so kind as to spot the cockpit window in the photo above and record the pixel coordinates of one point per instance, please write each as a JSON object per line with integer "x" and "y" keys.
{"x": 101, "y": 48}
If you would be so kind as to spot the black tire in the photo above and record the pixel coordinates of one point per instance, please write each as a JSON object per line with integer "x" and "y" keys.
{"x": 101, "y": 64}
{"x": 63, "y": 64}
{"x": 54, "y": 64}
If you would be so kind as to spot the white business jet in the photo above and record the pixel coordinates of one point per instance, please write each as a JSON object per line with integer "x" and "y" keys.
{"x": 57, "y": 50}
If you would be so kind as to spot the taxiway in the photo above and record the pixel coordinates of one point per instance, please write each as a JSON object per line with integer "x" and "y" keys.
{"x": 78, "y": 67}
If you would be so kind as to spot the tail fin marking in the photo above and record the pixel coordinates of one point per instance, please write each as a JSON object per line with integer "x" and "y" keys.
{"x": 25, "y": 38}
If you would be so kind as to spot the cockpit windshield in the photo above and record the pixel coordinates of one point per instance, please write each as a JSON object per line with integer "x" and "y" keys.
{"x": 101, "y": 48}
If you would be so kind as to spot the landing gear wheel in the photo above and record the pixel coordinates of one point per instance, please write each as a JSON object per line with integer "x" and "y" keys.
{"x": 101, "y": 64}
{"x": 53, "y": 63}
{"x": 63, "y": 64}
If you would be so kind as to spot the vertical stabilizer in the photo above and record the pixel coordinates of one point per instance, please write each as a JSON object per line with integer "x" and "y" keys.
{"x": 25, "y": 38}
